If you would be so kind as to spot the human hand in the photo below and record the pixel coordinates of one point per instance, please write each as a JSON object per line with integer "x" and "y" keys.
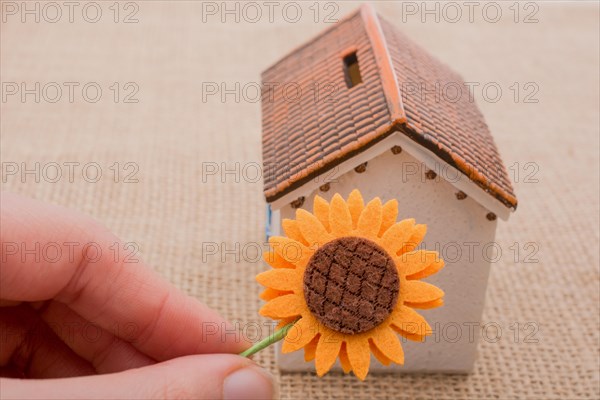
{"x": 91, "y": 326}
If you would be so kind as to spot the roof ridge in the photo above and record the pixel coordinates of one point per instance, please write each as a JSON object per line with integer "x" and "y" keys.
{"x": 389, "y": 80}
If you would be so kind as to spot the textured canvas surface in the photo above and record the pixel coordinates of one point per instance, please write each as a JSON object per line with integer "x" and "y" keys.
{"x": 186, "y": 186}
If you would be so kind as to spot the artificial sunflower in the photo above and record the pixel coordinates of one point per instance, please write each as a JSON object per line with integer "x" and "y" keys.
{"x": 349, "y": 276}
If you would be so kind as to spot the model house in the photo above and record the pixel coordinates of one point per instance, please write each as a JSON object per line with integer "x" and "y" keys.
{"x": 363, "y": 106}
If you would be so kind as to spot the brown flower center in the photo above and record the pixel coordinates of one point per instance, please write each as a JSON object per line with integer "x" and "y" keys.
{"x": 351, "y": 285}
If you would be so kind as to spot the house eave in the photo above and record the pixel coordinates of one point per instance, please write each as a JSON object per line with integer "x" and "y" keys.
{"x": 424, "y": 155}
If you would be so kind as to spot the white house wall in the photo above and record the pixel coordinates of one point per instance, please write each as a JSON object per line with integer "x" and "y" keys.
{"x": 458, "y": 229}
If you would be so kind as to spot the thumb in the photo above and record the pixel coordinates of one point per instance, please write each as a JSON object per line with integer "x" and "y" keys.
{"x": 211, "y": 376}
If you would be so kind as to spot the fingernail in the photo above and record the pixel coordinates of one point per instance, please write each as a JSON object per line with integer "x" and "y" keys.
{"x": 248, "y": 383}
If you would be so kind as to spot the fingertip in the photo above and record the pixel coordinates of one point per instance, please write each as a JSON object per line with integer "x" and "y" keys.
{"x": 226, "y": 376}
{"x": 251, "y": 382}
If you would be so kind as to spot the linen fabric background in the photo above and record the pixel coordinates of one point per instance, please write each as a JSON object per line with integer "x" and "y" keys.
{"x": 164, "y": 200}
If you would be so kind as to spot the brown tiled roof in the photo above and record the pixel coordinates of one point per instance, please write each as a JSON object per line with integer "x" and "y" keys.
{"x": 312, "y": 121}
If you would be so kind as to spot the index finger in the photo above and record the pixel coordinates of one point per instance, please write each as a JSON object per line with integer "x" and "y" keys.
{"x": 79, "y": 269}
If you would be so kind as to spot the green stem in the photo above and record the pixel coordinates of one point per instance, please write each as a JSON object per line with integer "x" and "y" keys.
{"x": 269, "y": 340}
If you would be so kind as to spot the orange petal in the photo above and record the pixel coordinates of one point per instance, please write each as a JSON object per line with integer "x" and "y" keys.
{"x": 428, "y": 305}
{"x": 387, "y": 342}
{"x": 291, "y": 250}
{"x": 292, "y": 230}
{"x": 328, "y": 349}
{"x": 378, "y": 354}
{"x": 310, "y": 350}
{"x": 397, "y": 235}
{"x": 419, "y": 292}
{"x": 282, "y": 307}
{"x": 281, "y": 279}
{"x": 355, "y": 205}
{"x": 369, "y": 221}
{"x": 321, "y": 211}
{"x": 430, "y": 270}
{"x": 344, "y": 360}
{"x": 302, "y": 333}
{"x": 340, "y": 220}
{"x": 270, "y": 294}
{"x": 312, "y": 229}
{"x": 276, "y": 261}
{"x": 359, "y": 356}
{"x": 409, "y": 336}
{"x": 389, "y": 213}
{"x": 415, "y": 239}
{"x": 408, "y": 320}
{"x": 415, "y": 262}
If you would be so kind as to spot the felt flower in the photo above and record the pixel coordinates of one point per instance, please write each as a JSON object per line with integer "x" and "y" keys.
{"x": 347, "y": 276}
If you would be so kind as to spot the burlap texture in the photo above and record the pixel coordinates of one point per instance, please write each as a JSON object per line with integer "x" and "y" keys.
{"x": 179, "y": 217}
